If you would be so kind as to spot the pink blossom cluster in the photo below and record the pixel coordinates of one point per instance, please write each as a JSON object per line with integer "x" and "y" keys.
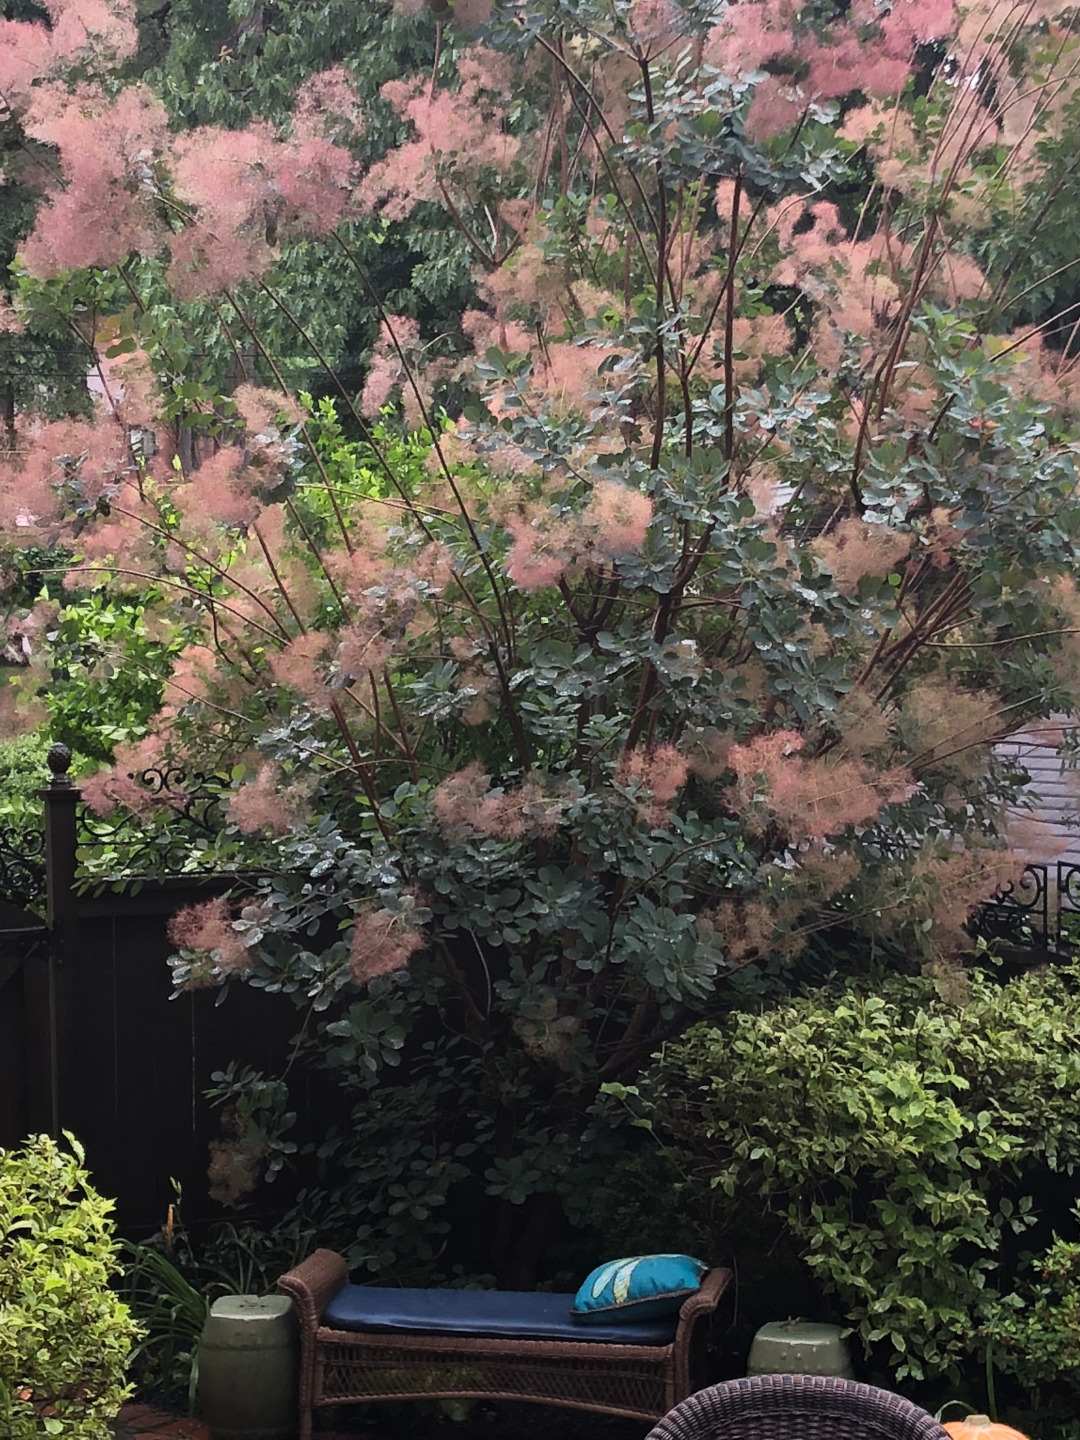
{"x": 659, "y": 770}
{"x": 871, "y": 49}
{"x": 382, "y": 942}
{"x": 269, "y": 802}
{"x": 122, "y": 170}
{"x": 92, "y": 32}
{"x": 811, "y": 797}
{"x": 467, "y": 800}
{"x": 546, "y": 543}
{"x": 458, "y": 133}
{"x": 120, "y": 785}
{"x": 208, "y": 928}
{"x": 395, "y": 348}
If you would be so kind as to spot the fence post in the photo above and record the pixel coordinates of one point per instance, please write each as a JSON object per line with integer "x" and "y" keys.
{"x": 62, "y": 915}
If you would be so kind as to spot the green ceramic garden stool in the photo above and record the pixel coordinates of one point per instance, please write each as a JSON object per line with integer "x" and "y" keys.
{"x": 799, "y": 1347}
{"x": 247, "y": 1368}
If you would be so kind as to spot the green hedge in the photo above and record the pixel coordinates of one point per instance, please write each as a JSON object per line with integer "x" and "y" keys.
{"x": 899, "y": 1141}
{"x": 64, "y": 1336}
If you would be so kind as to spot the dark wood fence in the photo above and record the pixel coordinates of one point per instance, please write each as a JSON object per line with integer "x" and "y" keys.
{"x": 92, "y": 1042}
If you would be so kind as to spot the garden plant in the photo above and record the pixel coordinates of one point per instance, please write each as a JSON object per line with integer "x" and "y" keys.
{"x": 592, "y": 486}
{"x": 65, "y": 1335}
{"x": 904, "y": 1146}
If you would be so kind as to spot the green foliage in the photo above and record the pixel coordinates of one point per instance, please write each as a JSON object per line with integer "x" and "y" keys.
{"x": 170, "y": 1283}
{"x": 107, "y": 674}
{"x": 1036, "y": 1335}
{"x": 901, "y": 1142}
{"x": 22, "y": 774}
{"x": 65, "y": 1337}
{"x": 552, "y": 730}
{"x": 171, "y": 1313}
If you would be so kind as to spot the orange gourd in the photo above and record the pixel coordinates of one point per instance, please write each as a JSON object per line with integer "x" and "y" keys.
{"x": 981, "y": 1427}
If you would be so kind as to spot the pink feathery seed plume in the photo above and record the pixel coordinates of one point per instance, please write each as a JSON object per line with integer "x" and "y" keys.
{"x": 205, "y": 262}
{"x": 107, "y": 149}
{"x": 466, "y": 799}
{"x": 458, "y": 798}
{"x": 314, "y": 177}
{"x": 221, "y": 490}
{"x": 653, "y": 20}
{"x": 384, "y": 372}
{"x": 19, "y": 712}
{"x": 26, "y": 55}
{"x": 661, "y": 769}
{"x": 361, "y": 649}
{"x": 382, "y": 943}
{"x": 399, "y": 331}
{"x": 543, "y": 549}
{"x": 121, "y": 784}
{"x": 750, "y": 35}
{"x": 301, "y": 667}
{"x": 104, "y": 27}
{"x": 618, "y": 517}
{"x": 269, "y": 803}
{"x": 259, "y": 408}
{"x": 328, "y": 107}
{"x": 777, "y": 106}
{"x": 209, "y": 928}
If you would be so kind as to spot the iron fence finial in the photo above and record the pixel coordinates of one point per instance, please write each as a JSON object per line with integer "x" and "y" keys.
{"x": 59, "y": 762}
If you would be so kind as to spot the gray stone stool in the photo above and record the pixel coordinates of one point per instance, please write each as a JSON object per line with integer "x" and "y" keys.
{"x": 247, "y": 1368}
{"x": 799, "y": 1347}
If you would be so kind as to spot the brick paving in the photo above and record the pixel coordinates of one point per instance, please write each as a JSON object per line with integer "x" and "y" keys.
{"x": 144, "y": 1422}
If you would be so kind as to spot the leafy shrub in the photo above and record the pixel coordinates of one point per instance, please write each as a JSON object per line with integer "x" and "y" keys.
{"x": 22, "y": 774}
{"x": 1037, "y": 1338}
{"x": 64, "y": 1337}
{"x": 171, "y": 1283}
{"x": 897, "y": 1138}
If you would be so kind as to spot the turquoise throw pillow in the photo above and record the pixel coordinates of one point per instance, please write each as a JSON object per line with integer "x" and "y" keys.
{"x": 641, "y": 1287}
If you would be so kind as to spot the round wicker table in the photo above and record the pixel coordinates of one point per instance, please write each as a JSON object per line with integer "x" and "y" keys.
{"x": 796, "y": 1407}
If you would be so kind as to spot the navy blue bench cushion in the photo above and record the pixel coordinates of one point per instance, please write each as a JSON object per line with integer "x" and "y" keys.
{"x": 505, "y": 1314}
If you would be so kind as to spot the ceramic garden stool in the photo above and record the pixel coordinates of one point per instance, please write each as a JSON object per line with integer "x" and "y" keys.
{"x": 799, "y": 1347}
{"x": 247, "y": 1368}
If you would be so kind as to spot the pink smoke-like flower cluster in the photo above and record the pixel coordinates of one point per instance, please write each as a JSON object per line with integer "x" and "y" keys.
{"x": 812, "y": 798}
{"x": 661, "y": 771}
{"x": 871, "y": 50}
{"x": 459, "y": 130}
{"x": 245, "y": 188}
{"x": 269, "y": 803}
{"x": 109, "y": 149}
{"x": 91, "y": 32}
{"x": 120, "y": 785}
{"x": 208, "y": 928}
{"x": 382, "y": 943}
{"x": 612, "y": 524}
{"x": 467, "y": 800}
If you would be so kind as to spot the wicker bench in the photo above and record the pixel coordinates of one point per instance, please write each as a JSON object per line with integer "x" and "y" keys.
{"x": 640, "y": 1373}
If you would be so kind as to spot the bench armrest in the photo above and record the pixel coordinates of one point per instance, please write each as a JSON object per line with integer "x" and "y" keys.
{"x": 703, "y": 1302}
{"x": 313, "y": 1284}
{"x": 705, "y": 1298}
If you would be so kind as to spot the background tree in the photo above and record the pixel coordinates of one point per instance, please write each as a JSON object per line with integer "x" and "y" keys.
{"x": 652, "y": 618}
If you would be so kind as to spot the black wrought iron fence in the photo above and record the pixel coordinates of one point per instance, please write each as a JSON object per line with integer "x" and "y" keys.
{"x": 1041, "y": 911}
{"x": 22, "y": 867}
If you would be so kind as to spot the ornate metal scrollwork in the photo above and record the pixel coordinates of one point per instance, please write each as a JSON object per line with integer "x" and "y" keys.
{"x": 1068, "y": 906}
{"x": 22, "y": 866}
{"x": 181, "y": 809}
{"x": 1021, "y": 911}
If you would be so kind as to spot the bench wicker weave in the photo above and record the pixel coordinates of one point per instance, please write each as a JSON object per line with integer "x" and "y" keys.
{"x": 344, "y": 1367}
{"x": 813, "y": 1407}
